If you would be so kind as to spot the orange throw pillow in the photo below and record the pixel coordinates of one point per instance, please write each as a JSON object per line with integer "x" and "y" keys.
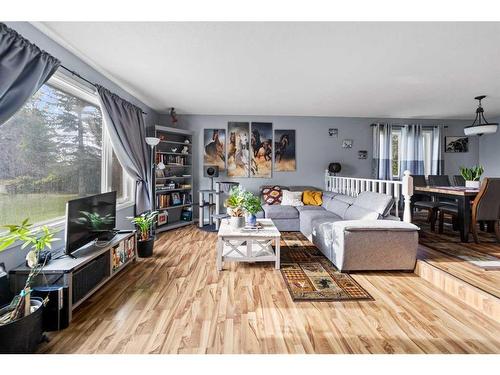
{"x": 312, "y": 198}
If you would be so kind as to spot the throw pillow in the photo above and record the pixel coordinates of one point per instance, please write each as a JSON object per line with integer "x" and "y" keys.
{"x": 272, "y": 195}
{"x": 312, "y": 198}
{"x": 292, "y": 198}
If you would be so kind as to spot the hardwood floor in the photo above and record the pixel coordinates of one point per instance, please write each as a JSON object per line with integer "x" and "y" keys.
{"x": 176, "y": 302}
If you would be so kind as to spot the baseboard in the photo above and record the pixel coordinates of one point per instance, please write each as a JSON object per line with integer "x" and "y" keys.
{"x": 475, "y": 298}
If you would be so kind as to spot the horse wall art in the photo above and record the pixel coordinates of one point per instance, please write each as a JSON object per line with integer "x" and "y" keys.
{"x": 261, "y": 149}
{"x": 238, "y": 149}
{"x": 284, "y": 150}
{"x": 214, "y": 141}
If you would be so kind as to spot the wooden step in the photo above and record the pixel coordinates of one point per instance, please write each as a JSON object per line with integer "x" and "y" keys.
{"x": 472, "y": 296}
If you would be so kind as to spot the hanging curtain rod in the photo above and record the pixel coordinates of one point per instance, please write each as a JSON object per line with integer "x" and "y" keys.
{"x": 85, "y": 80}
{"x": 398, "y": 124}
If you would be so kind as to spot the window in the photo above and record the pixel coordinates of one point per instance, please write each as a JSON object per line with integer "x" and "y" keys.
{"x": 53, "y": 150}
{"x": 395, "y": 152}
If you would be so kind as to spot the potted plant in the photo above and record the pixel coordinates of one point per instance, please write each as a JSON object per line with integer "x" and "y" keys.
{"x": 472, "y": 176}
{"x": 144, "y": 223}
{"x": 235, "y": 207}
{"x": 252, "y": 205}
{"x": 21, "y": 320}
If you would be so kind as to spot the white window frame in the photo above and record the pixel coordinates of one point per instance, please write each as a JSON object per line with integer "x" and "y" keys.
{"x": 427, "y": 140}
{"x": 82, "y": 90}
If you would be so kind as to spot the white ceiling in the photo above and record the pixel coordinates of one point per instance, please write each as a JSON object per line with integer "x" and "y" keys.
{"x": 414, "y": 70}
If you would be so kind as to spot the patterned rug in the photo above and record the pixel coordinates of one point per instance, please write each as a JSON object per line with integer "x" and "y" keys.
{"x": 485, "y": 255}
{"x": 310, "y": 276}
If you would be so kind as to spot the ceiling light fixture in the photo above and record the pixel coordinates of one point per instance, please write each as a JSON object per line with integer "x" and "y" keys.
{"x": 480, "y": 125}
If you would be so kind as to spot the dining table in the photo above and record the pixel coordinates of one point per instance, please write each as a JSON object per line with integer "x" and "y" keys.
{"x": 462, "y": 195}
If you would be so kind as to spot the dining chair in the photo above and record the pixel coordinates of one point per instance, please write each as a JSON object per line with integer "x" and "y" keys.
{"x": 421, "y": 203}
{"x": 485, "y": 207}
{"x": 439, "y": 180}
{"x": 458, "y": 180}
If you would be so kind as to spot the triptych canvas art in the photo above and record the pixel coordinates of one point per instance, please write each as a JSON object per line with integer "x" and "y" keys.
{"x": 248, "y": 149}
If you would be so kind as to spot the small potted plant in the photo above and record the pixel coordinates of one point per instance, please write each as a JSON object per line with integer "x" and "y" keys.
{"x": 472, "y": 176}
{"x": 21, "y": 320}
{"x": 252, "y": 205}
{"x": 144, "y": 223}
{"x": 235, "y": 207}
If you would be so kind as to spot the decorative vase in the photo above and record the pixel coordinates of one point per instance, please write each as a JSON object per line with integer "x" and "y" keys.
{"x": 145, "y": 248}
{"x": 251, "y": 220}
{"x": 22, "y": 335}
{"x": 237, "y": 222}
{"x": 472, "y": 184}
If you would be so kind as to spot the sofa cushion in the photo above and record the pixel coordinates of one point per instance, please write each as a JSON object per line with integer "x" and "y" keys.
{"x": 339, "y": 204}
{"x": 380, "y": 203}
{"x": 312, "y": 198}
{"x": 355, "y": 212}
{"x": 308, "y": 216}
{"x": 291, "y": 198}
{"x": 280, "y": 212}
{"x": 272, "y": 194}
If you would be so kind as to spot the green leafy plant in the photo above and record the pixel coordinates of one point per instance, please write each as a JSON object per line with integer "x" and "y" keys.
{"x": 251, "y": 203}
{"x": 472, "y": 174}
{"x": 144, "y": 223}
{"x": 38, "y": 239}
{"x": 235, "y": 202}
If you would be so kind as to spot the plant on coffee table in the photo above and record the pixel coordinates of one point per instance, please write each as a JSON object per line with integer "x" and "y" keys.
{"x": 235, "y": 206}
{"x": 252, "y": 205}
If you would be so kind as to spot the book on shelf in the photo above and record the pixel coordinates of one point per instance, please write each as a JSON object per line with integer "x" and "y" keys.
{"x": 173, "y": 199}
{"x": 171, "y": 159}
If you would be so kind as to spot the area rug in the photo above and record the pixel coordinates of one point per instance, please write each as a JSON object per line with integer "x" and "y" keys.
{"x": 484, "y": 255}
{"x": 310, "y": 276}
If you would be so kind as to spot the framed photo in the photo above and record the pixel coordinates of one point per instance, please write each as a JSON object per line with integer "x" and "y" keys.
{"x": 176, "y": 199}
{"x": 261, "y": 144}
{"x": 333, "y": 132}
{"x": 284, "y": 150}
{"x": 456, "y": 144}
{"x": 162, "y": 218}
{"x": 347, "y": 143}
{"x": 214, "y": 147}
{"x": 362, "y": 154}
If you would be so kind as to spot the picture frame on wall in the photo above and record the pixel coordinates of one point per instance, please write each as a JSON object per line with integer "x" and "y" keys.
{"x": 261, "y": 142}
{"x": 333, "y": 132}
{"x": 456, "y": 144}
{"x": 284, "y": 150}
{"x": 214, "y": 148}
{"x": 347, "y": 143}
{"x": 238, "y": 149}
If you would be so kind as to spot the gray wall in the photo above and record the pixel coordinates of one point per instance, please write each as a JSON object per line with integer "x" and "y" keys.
{"x": 315, "y": 149}
{"x": 489, "y": 152}
{"x": 14, "y": 256}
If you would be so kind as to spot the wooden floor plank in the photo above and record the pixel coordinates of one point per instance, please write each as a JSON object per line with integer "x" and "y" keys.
{"x": 176, "y": 302}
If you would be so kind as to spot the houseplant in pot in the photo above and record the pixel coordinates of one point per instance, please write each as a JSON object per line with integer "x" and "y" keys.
{"x": 235, "y": 207}
{"x": 472, "y": 176}
{"x": 251, "y": 205}
{"x": 144, "y": 223}
{"x": 21, "y": 320}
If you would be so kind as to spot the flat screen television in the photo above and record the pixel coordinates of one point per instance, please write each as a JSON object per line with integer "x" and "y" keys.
{"x": 89, "y": 218}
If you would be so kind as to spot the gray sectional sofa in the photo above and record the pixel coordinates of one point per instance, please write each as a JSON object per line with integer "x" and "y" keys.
{"x": 355, "y": 233}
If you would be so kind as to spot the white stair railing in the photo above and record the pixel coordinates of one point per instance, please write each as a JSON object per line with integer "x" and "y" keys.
{"x": 401, "y": 191}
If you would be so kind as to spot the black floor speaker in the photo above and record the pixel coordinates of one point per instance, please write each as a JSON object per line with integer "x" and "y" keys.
{"x": 56, "y": 311}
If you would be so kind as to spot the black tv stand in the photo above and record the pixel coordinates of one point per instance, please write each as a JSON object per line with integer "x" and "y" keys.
{"x": 83, "y": 272}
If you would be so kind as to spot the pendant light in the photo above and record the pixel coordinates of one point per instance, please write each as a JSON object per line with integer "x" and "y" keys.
{"x": 480, "y": 125}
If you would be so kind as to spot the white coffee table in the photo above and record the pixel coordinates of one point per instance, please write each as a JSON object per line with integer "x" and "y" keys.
{"x": 242, "y": 245}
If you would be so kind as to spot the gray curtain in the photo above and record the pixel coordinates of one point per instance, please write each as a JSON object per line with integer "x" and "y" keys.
{"x": 412, "y": 150}
{"x": 382, "y": 143}
{"x": 24, "y": 68}
{"x": 437, "y": 162}
{"x": 125, "y": 124}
